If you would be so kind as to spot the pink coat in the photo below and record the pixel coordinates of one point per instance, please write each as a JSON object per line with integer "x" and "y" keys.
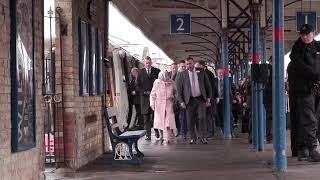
{"x": 161, "y": 98}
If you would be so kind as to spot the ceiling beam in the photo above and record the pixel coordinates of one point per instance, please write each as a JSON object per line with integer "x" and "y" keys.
{"x": 199, "y": 45}
{"x": 196, "y": 5}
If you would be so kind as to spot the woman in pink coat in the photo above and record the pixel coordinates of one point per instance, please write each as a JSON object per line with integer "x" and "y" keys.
{"x": 161, "y": 102}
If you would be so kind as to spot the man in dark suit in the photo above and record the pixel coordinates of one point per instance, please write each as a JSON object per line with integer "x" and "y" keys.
{"x": 267, "y": 101}
{"x": 182, "y": 112}
{"x": 174, "y": 71}
{"x": 219, "y": 100}
{"x": 145, "y": 80}
{"x": 134, "y": 100}
{"x": 173, "y": 74}
{"x": 210, "y": 111}
{"x": 194, "y": 93}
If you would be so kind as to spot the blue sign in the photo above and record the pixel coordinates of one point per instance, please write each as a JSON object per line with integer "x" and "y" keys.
{"x": 306, "y": 18}
{"x": 180, "y": 24}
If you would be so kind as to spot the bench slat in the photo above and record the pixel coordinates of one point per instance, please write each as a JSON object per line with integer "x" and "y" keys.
{"x": 138, "y": 133}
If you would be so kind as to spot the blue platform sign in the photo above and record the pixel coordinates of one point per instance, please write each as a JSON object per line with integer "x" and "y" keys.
{"x": 180, "y": 24}
{"x": 306, "y": 18}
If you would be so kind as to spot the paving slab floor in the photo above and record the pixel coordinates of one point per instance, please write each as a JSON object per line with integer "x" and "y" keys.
{"x": 218, "y": 160}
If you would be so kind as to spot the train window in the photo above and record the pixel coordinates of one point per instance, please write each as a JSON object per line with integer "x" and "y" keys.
{"x": 93, "y": 61}
{"x": 100, "y": 65}
{"x": 84, "y": 58}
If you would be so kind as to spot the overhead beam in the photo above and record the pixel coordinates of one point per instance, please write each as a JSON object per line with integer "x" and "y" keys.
{"x": 196, "y": 5}
{"x": 195, "y": 50}
{"x": 199, "y": 45}
{"x": 203, "y": 57}
{"x": 201, "y": 24}
{"x": 211, "y": 42}
{"x": 209, "y": 58}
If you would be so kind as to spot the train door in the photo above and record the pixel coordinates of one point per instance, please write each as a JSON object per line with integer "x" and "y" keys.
{"x": 120, "y": 88}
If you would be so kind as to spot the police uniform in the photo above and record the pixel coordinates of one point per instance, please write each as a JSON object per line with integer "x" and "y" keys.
{"x": 304, "y": 72}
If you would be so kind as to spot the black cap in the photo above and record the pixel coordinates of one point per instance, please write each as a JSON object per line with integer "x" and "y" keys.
{"x": 306, "y": 29}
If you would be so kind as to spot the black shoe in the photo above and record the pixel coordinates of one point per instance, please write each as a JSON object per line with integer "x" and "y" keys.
{"x": 269, "y": 139}
{"x": 192, "y": 141}
{"x": 178, "y": 134}
{"x": 314, "y": 156}
{"x": 203, "y": 141}
{"x": 148, "y": 138}
{"x": 303, "y": 154}
{"x": 184, "y": 138}
{"x": 157, "y": 134}
{"x": 294, "y": 154}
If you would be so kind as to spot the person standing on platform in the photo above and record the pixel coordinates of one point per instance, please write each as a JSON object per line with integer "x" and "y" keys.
{"x": 219, "y": 99}
{"x": 161, "y": 102}
{"x": 294, "y": 120}
{"x": 182, "y": 112}
{"x": 220, "y": 103}
{"x": 210, "y": 111}
{"x": 303, "y": 73}
{"x": 267, "y": 101}
{"x": 176, "y": 107}
{"x": 173, "y": 71}
{"x": 134, "y": 100}
{"x": 145, "y": 80}
{"x": 194, "y": 93}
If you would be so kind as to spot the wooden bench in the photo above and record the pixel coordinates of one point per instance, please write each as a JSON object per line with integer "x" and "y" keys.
{"x": 123, "y": 144}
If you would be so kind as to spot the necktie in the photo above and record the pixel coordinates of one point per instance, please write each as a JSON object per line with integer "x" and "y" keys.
{"x": 193, "y": 84}
{"x": 148, "y": 72}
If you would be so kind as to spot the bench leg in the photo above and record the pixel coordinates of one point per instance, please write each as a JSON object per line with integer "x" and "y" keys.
{"x": 139, "y": 153}
{"x": 136, "y": 158}
{"x": 122, "y": 151}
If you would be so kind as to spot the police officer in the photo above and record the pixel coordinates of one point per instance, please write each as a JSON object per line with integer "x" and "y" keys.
{"x": 303, "y": 75}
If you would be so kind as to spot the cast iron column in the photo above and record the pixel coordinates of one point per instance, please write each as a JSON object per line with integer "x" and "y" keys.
{"x": 258, "y": 95}
{"x": 226, "y": 86}
{"x": 254, "y": 123}
{"x": 278, "y": 96}
{"x": 264, "y": 61}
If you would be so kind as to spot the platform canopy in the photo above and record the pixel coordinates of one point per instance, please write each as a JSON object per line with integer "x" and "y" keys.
{"x": 207, "y": 17}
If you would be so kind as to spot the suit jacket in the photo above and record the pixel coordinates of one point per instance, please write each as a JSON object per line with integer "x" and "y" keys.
{"x": 230, "y": 89}
{"x": 173, "y": 77}
{"x": 267, "y": 93}
{"x": 133, "y": 99}
{"x": 144, "y": 87}
{"x": 213, "y": 83}
{"x": 184, "y": 86}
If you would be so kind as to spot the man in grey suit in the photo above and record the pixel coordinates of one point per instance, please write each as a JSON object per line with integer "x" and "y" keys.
{"x": 194, "y": 93}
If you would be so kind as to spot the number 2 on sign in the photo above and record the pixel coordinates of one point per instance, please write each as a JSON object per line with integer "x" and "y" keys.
{"x": 180, "y": 28}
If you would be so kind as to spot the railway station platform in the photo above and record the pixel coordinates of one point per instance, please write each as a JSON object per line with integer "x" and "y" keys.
{"x": 219, "y": 160}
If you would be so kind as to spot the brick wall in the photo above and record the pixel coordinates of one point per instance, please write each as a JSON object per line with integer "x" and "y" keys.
{"x": 27, "y": 164}
{"x": 82, "y": 115}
